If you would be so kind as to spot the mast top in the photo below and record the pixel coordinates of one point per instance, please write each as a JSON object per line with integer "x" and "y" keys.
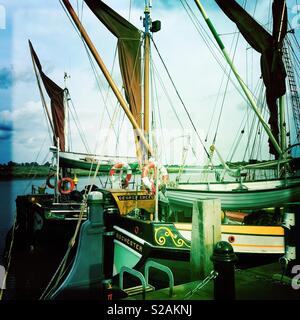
{"x": 147, "y": 18}
{"x": 148, "y": 4}
{"x": 66, "y": 77}
{"x": 148, "y": 24}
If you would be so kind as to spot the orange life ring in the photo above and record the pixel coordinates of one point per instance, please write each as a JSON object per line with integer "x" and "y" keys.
{"x": 149, "y": 182}
{"x": 62, "y": 183}
{"x": 120, "y": 166}
{"x": 48, "y": 183}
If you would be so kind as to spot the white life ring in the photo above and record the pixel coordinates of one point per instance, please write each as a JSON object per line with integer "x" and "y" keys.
{"x": 149, "y": 179}
{"x": 120, "y": 166}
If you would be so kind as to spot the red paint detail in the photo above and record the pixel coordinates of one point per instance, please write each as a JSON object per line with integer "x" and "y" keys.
{"x": 231, "y": 239}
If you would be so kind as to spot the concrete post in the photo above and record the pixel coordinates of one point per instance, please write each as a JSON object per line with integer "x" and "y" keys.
{"x": 206, "y": 232}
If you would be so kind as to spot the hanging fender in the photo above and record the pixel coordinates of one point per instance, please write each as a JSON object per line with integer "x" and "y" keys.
{"x": 61, "y": 185}
{"x": 121, "y": 166}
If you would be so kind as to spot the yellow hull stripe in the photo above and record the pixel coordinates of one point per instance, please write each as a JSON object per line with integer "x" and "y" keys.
{"x": 259, "y": 230}
{"x": 233, "y": 229}
{"x": 256, "y": 246}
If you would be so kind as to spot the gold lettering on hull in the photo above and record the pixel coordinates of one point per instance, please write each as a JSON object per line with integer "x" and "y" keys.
{"x": 127, "y": 201}
{"x": 131, "y": 243}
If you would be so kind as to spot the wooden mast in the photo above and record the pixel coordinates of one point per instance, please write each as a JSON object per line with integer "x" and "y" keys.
{"x": 147, "y": 22}
{"x": 107, "y": 75}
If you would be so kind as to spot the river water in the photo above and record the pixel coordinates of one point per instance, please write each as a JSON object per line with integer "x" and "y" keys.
{"x": 12, "y": 188}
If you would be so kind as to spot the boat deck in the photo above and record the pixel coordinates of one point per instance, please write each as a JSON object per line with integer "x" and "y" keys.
{"x": 258, "y": 283}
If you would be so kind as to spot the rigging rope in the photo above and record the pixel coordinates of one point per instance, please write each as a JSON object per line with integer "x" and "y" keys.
{"x": 44, "y": 104}
{"x": 225, "y": 92}
{"x": 250, "y": 128}
{"x": 211, "y": 44}
{"x": 258, "y": 127}
{"x": 119, "y": 130}
{"x": 78, "y": 126}
{"x": 154, "y": 86}
{"x": 167, "y": 96}
{"x": 129, "y": 13}
{"x": 183, "y": 104}
{"x": 90, "y": 59}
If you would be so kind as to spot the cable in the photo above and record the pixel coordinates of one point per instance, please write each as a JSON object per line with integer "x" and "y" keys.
{"x": 183, "y": 104}
{"x": 224, "y": 96}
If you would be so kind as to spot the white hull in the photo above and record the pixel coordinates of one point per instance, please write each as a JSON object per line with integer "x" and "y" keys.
{"x": 233, "y": 196}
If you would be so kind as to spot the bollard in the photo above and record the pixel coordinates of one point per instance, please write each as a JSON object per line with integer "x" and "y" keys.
{"x": 224, "y": 260}
{"x": 95, "y": 207}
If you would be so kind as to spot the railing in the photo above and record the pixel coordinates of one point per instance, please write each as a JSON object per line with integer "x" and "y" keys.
{"x": 134, "y": 273}
{"x": 163, "y": 268}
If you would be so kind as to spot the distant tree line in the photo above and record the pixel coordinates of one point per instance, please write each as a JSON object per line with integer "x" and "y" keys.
{"x": 13, "y": 169}
{"x": 11, "y": 164}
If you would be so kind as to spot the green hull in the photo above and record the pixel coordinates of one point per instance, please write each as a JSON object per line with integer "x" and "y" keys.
{"x": 103, "y": 168}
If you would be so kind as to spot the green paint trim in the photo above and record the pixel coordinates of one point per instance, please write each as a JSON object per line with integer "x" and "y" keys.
{"x": 216, "y": 35}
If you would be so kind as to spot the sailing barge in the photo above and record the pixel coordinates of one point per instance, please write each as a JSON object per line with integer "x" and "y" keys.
{"x": 113, "y": 229}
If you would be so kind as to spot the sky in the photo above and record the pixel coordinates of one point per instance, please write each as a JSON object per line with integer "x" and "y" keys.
{"x": 24, "y": 132}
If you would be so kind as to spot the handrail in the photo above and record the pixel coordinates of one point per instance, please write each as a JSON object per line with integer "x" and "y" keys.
{"x": 134, "y": 273}
{"x": 163, "y": 268}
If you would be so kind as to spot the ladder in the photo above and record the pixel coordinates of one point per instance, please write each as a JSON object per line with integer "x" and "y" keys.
{"x": 295, "y": 100}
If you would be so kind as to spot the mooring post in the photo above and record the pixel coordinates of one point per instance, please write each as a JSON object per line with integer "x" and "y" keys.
{"x": 95, "y": 209}
{"x": 206, "y": 232}
{"x": 224, "y": 260}
{"x": 109, "y": 234}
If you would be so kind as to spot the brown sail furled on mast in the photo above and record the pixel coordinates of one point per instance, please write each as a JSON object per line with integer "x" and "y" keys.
{"x": 56, "y": 95}
{"x": 272, "y": 67}
{"x": 129, "y": 48}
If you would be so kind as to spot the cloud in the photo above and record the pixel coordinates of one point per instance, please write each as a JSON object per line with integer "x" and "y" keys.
{"x": 21, "y": 121}
{"x": 6, "y": 78}
{"x": 5, "y": 135}
{"x": 24, "y": 76}
{"x": 9, "y": 77}
{"x": 6, "y": 127}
